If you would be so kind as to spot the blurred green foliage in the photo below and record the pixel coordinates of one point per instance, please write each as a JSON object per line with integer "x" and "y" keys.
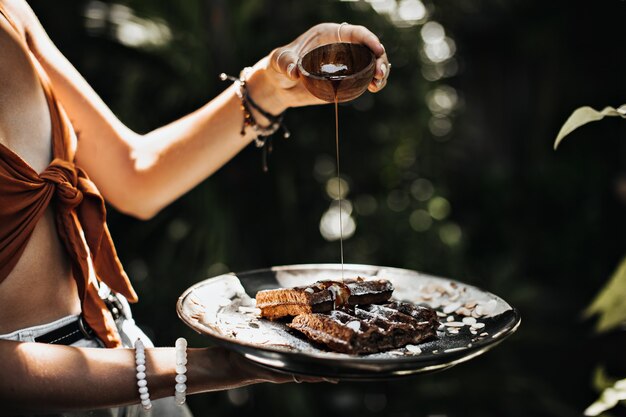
{"x": 488, "y": 203}
{"x": 609, "y": 303}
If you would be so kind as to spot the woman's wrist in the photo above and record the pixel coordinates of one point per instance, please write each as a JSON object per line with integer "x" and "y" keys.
{"x": 215, "y": 368}
{"x": 264, "y": 92}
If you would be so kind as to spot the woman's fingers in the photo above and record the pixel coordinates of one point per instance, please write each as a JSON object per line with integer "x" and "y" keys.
{"x": 383, "y": 69}
{"x": 360, "y": 34}
{"x": 284, "y": 60}
{"x": 298, "y": 379}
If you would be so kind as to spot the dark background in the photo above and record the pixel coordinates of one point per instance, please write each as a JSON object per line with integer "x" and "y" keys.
{"x": 541, "y": 228}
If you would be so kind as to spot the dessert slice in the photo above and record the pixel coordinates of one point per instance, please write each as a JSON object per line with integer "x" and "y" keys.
{"x": 323, "y": 296}
{"x": 370, "y": 328}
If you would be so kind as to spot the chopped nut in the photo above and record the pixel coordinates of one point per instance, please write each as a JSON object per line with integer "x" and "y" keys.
{"x": 451, "y": 308}
{"x": 416, "y": 350}
{"x": 454, "y": 324}
{"x": 463, "y": 312}
{"x": 469, "y": 321}
{"x": 354, "y": 325}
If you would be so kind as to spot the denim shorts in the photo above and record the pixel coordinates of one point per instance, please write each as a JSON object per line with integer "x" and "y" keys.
{"x": 129, "y": 332}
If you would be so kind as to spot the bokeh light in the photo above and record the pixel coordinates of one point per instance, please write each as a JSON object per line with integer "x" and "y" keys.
{"x": 404, "y": 155}
{"x": 330, "y": 228}
{"x": 403, "y": 13}
{"x": 138, "y": 269}
{"x": 450, "y": 234}
{"x": 128, "y": 28}
{"x": 337, "y": 188}
{"x": 238, "y": 396}
{"x": 398, "y": 200}
{"x": 324, "y": 167}
{"x": 442, "y": 100}
{"x": 433, "y": 32}
{"x": 217, "y": 268}
{"x": 365, "y": 205}
{"x": 420, "y": 220}
{"x": 411, "y": 11}
{"x": 439, "y": 208}
{"x": 440, "y": 125}
{"x": 422, "y": 189}
{"x": 178, "y": 229}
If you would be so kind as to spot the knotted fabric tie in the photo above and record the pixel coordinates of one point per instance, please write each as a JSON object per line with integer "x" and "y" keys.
{"x": 80, "y": 210}
{"x": 64, "y": 176}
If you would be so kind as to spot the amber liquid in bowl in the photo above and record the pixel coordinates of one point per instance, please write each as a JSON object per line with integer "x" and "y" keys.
{"x": 338, "y": 71}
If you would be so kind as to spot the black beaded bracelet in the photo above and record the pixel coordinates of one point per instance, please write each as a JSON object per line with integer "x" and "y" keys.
{"x": 263, "y": 138}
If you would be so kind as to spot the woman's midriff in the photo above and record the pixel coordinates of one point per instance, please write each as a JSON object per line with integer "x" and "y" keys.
{"x": 40, "y": 288}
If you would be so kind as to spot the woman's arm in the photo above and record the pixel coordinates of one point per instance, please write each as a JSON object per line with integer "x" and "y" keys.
{"x": 40, "y": 377}
{"x": 140, "y": 174}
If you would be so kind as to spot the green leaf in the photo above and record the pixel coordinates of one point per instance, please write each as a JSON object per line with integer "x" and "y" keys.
{"x": 601, "y": 380}
{"x": 608, "y": 399}
{"x": 609, "y": 304}
{"x": 584, "y": 115}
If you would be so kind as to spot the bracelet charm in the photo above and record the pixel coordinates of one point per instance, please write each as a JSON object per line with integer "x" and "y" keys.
{"x": 263, "y": 133}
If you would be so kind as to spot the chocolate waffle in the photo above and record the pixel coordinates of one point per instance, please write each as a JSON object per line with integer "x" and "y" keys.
{"x": 321, "y": 297}
{"x": 369, "y": 328}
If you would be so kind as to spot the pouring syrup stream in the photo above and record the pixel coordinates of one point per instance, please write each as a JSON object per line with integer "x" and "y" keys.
{"x": 331, "y": 70}
{"x": 339, "y": 181}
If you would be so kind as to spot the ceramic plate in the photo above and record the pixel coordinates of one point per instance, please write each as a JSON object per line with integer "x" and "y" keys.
{"x": 223, "y": 308}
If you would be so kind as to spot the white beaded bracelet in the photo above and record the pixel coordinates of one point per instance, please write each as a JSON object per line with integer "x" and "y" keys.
{"x": 142, "y": 383}
{"x": 181, "y": 368}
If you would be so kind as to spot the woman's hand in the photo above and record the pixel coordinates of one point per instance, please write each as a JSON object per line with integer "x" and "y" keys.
{"x": 281, "y": 70}
{"x": 251, "y": 373}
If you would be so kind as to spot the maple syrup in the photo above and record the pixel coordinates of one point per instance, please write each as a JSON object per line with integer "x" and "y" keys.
{"x": 333, "y": 69}
{"x": 339, "y": 183}
{"x": 335, "y": 73}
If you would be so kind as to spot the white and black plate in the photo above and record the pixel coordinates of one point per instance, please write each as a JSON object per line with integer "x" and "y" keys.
{"x": 223, "y": 308}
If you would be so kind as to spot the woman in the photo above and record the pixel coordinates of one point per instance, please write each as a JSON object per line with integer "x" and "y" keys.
{"x": 56, "y": 257}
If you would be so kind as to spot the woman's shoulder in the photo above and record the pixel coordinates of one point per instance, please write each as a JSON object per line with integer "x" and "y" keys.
{"x": 17, "y": 17}
{"x": 16, "y": 12}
